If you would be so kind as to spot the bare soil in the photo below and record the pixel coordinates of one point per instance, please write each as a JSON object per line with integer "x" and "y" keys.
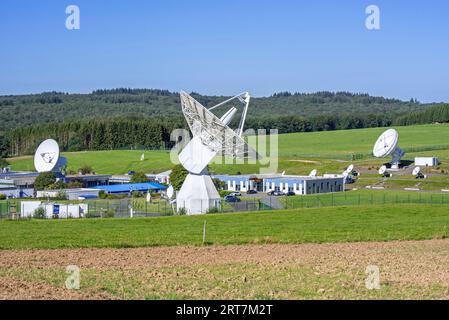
{"x": 417, "y": 265}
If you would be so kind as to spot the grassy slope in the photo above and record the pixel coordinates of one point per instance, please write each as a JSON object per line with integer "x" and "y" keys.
{"x": 337, "y": 224}
{"x": 322, "y": 146}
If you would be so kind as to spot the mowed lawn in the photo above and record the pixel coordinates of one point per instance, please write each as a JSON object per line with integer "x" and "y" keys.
{"x": 317, "y": 225}
{"x": 342, "y": 142}
{"x": 295, "y": 152}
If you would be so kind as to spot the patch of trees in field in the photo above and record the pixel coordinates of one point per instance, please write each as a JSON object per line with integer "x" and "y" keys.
{"x": 437, "y": 113}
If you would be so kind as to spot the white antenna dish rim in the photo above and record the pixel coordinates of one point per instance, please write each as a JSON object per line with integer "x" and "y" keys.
{"x": 386, "y": 143}
{"x": 47, "y": 156}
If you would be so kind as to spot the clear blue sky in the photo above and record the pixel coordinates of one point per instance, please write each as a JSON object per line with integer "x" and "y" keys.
{"x": 224, "y": 47}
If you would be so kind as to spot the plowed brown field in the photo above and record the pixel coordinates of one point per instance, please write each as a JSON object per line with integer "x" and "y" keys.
{"x": 408, "y": 269}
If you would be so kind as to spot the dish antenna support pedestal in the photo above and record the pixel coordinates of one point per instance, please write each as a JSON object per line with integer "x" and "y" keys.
{"x": 211, "y": 136}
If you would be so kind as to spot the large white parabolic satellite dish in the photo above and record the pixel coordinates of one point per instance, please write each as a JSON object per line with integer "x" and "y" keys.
{"x": 47, "y": 157}
{"x": 387, "y": 144}
{"x": 211, "y": 136}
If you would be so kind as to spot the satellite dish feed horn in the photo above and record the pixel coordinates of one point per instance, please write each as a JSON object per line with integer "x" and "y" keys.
{"x": 386, "y": 145}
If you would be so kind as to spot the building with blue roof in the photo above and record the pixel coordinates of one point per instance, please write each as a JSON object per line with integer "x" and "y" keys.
{"x": 127, "y": 188}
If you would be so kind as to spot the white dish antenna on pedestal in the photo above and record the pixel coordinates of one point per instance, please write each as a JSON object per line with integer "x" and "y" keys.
{"x": 383, "y": 171}
{"x": 313, "y": 173}
{"x": 418, "y": 174}
{"x": 387, "y": 144}
{"x": 47, "y": 157}
{"x": 211, "y": 136}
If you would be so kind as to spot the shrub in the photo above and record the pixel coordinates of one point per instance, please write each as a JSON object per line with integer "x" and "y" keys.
{"x": 2, "y": 196}
{"x": 137, "y": 194}
{"x": 85, "y": 170}
{"x": 39, "y": 213}
{"x": 139, "y": 177}
{"x": 44, "y": 180}
{"x": 213, "y": 210}
{"x": 102, "y": 195}
{"x": 61, "y": 195}
{"x": 177, "y": 176}
{"x": 224, "y": 193}
{"x": 182, "y": 211}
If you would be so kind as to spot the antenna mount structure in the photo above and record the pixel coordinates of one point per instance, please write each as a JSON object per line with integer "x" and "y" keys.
{"x": 211, "y": 136}
{"x": 386, "y": 145}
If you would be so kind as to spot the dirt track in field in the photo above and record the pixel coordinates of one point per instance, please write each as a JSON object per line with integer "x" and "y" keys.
{"x": 402, "y": 263}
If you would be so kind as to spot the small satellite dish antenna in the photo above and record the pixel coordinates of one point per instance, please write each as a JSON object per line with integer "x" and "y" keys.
{"x": 387, "y": 144}
{"x": 170, "y": 192}
{"x": 418, "y": 174}
{"x": 313, "y": 173}
{"x": 383, "y": 171}
{"x": 47, "y": 157}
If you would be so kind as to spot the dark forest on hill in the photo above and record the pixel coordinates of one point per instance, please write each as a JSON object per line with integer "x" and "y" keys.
{"x": 144, "y": 118}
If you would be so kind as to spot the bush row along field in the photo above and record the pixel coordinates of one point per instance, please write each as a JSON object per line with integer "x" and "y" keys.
{"x": 318, "y": 225}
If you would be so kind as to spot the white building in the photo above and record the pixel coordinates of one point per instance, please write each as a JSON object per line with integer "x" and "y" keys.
{"x": 297, "y": 184}
{"x": 72, "y": 194}
{"x": 28, "y": 209}
{"x": 426, "y": 161}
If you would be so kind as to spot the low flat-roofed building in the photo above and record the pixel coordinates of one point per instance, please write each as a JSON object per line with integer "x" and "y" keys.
{"x": 128, "y": 188}
{"x": 426, "y": 161}
{"x": 284, "y": 183}
{"x": 89, "y": 180}
{"x": 72, "y": 194}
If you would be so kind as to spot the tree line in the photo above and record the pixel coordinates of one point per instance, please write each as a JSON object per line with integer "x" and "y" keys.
{"x": 52, "y": 107}
{"x": 434, "y": 114}
{"x": 154, "y": 132}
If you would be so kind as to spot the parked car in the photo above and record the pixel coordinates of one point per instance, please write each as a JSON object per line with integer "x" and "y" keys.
{"x": 251, "y": 192}
{"x": 230, "y": 198}
{"x": 235, "y": 194}
{"x": 276, "y": 193}
{"x": 130, "y": 173}
{"x": 291, "y": 193}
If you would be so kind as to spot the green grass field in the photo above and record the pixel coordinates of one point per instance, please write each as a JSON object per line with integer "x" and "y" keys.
{"x": 299, "y": 153}
{"x": 295, "y": 152}
{"x": 318, "y": 225}
{"x": 365, "y": 198}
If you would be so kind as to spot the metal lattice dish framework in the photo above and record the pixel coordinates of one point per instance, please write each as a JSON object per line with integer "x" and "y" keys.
{"x": 213, "y": 133}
